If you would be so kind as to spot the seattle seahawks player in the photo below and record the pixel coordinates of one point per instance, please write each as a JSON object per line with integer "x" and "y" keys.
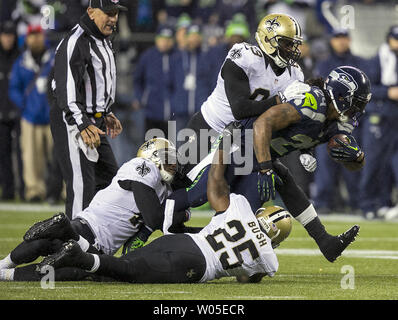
{"x": 250, "y": 79}
{"x": 129, "y": 206}
{"x": 235, "y": 243}
{"x": 312, "y": 116}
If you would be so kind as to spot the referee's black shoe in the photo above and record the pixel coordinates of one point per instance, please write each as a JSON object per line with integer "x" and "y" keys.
{"x": 335, "y": 246}
{"x": 56, "y": 227}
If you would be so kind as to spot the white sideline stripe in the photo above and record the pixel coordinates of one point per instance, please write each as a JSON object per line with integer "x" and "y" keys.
{"x": 360, "y": 239}
{"x": 30, "y": 207}
{"x": 367, "y": 254}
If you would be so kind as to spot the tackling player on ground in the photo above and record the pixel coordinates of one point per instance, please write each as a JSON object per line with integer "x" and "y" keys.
{"x": 236, "y": 242}
{"x": 129, "y": 208}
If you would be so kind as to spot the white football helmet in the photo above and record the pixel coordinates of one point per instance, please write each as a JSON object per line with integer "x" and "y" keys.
{"x": 276, "y": 222}
{"x": 161, "y": 152}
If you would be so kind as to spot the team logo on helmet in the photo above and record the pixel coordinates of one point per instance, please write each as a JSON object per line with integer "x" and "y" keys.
{"x": 272, "y": 25}
{"x": 115, "y": 1}
{"x": 345, "y": 79}
{"x": 148, "y": 145}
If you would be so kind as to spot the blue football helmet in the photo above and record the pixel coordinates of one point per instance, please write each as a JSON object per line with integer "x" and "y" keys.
{"x": 349, "y": 90}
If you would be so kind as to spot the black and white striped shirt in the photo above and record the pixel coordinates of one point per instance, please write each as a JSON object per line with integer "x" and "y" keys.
{"x": 84, "y": 78}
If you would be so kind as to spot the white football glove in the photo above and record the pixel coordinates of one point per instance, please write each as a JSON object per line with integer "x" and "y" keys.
{"x": 295, "y": 90}
{"x": 308, "y": 162}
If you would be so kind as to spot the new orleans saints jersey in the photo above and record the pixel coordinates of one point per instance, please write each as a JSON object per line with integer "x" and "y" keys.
{"x": 113, "y": 215}
{"x": 263, "y": 83}
{"x": 312, "y": 129}
{"x": 233, "y": 243}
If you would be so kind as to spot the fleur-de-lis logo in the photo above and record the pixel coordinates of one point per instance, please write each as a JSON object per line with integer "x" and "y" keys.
{"x": 236, "y": 54}
{"x": 143, "y": 169}
{"x": 191, "y": 273}
{"x": 148, "y": 145}
{"x": 272, "y": 25}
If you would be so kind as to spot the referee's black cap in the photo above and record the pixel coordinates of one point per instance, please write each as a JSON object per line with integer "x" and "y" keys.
{"x": 107, "y": 5}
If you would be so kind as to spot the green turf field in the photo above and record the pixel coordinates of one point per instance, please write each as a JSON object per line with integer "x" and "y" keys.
{"x": 372, "y": 262}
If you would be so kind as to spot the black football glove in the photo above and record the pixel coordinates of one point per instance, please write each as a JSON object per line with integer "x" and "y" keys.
{"x": 347, "y": 152}
{"x": 266, "y": 181}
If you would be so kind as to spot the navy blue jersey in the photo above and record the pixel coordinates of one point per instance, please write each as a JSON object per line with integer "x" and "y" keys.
{"x": 312, "y": 129}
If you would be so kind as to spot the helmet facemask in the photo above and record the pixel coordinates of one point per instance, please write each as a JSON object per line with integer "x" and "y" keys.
{"x": 287, "y": 51}
{"x": 168, "y": 162}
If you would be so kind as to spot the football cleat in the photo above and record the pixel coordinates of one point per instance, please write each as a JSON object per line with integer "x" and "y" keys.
{"x": 334, "y": 247}
{"x": 56, "y": 227}
{"x": 70, "y": 255}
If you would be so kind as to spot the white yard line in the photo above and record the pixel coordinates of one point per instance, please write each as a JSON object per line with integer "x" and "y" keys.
{"x": 366, "y": 254}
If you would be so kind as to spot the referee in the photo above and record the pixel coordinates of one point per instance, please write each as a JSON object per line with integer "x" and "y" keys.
{"x": 82, "y": 89}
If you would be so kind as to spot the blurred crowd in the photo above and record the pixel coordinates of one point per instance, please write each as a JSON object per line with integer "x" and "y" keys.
{"x": 169, "y": 54}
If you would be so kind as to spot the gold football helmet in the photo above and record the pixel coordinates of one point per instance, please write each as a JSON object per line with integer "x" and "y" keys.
{"x": 279, "y": 36}
{"x": 276, "y": 222}
{"x": 161, "y": 152}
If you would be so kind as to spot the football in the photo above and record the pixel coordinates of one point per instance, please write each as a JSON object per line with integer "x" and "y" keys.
{"x": 333, "y": 144}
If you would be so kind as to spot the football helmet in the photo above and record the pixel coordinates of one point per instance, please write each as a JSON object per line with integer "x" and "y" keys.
{"x": 161, "y": 152}
{"x": 276, "y": 222}
{"x": 279, "y": 36}
{"x": 349, "y": 89}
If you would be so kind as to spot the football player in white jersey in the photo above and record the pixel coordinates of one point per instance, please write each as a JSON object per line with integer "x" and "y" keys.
{"x": 250, "y": 79}
{"x": 235, "y": 243}
{"x": 129, "y": 207}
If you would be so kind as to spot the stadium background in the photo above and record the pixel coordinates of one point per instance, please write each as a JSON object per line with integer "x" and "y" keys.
{"x": 368, "y": 23}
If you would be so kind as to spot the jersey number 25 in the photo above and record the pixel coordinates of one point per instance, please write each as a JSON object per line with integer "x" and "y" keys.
{"x": 231, "y": 257}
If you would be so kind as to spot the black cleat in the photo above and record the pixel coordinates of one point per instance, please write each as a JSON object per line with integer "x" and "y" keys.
{"x": 57, "y": 227}
{"x": 70, "y": 255}
{"x": 334, "y": 247}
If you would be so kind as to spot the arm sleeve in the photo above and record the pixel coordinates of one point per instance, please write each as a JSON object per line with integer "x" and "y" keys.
{"x": 147, "y": 203}
{"x": 237, "y": 89}
{"x": 68, "y": 74}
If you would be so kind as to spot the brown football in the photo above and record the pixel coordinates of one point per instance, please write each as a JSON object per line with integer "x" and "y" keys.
{"x": 334, "y": 144}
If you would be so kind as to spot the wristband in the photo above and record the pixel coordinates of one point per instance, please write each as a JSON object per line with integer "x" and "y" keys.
{"x": 265, "y": 165}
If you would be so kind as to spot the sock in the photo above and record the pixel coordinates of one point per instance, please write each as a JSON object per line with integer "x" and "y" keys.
{"x": 83, "y": 243}
{"x": 306, "y": 216}
{"x": 96, "y": 263}
{"x": 317, "y": 231}
{"x": 7, "y": 263}
{"x": 7, "y": 274}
